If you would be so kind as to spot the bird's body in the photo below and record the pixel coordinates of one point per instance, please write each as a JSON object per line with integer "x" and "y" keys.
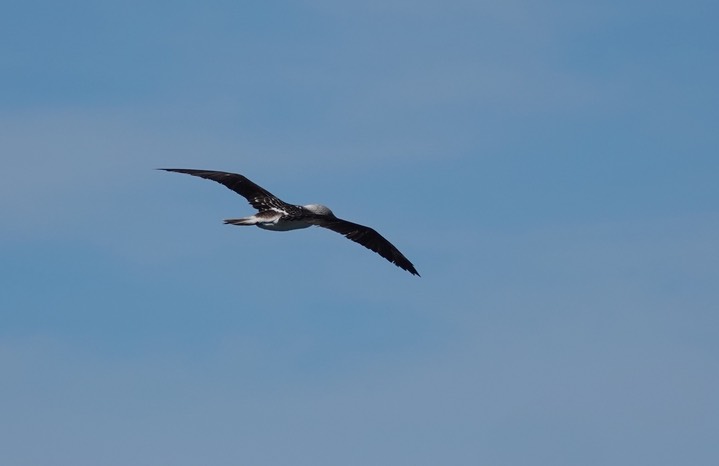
{"x": 276, "y": 219}
{"x": 276, "y": 215}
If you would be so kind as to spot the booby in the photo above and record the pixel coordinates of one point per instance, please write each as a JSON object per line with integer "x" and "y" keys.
{"x": 277, "y": 215}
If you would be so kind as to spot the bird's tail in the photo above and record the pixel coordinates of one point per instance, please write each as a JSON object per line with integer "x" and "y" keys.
{"x": 241, "y": 221}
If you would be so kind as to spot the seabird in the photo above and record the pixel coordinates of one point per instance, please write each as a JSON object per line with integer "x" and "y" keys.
{"x": 277, "y": 215}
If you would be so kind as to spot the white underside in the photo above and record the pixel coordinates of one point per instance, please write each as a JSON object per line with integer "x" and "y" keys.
{"x": 283, "y": 226}
{"x": 276, "y": 222}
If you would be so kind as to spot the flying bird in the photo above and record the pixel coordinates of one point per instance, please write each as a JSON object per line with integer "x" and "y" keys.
{"x": 277, "y": 215}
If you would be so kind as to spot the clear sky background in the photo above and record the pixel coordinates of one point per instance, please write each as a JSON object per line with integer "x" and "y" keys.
{"x": 551, "y": 168}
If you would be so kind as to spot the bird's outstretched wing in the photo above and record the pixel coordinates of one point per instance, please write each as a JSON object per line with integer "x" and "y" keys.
{"x": 263, "y": 200}
{"x": 370, "y": 239}
{"x": 257, "y": 196}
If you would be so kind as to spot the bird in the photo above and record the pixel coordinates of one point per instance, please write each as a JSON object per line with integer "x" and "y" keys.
{"x": 276, "y": 215}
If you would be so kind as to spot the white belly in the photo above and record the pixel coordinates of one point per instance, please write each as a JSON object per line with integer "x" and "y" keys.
{"x": 283, "y": 226}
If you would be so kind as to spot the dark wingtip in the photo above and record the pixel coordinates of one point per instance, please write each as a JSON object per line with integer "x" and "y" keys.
{"x": 186, "y": 171}
{"x": 406, "y": 265}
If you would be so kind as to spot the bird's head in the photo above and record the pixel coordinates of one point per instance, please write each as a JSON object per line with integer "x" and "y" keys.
{"x": 319, "y": 209}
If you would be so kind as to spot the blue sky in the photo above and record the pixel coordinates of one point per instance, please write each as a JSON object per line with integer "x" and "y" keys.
{"x": 550, "y": 168}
